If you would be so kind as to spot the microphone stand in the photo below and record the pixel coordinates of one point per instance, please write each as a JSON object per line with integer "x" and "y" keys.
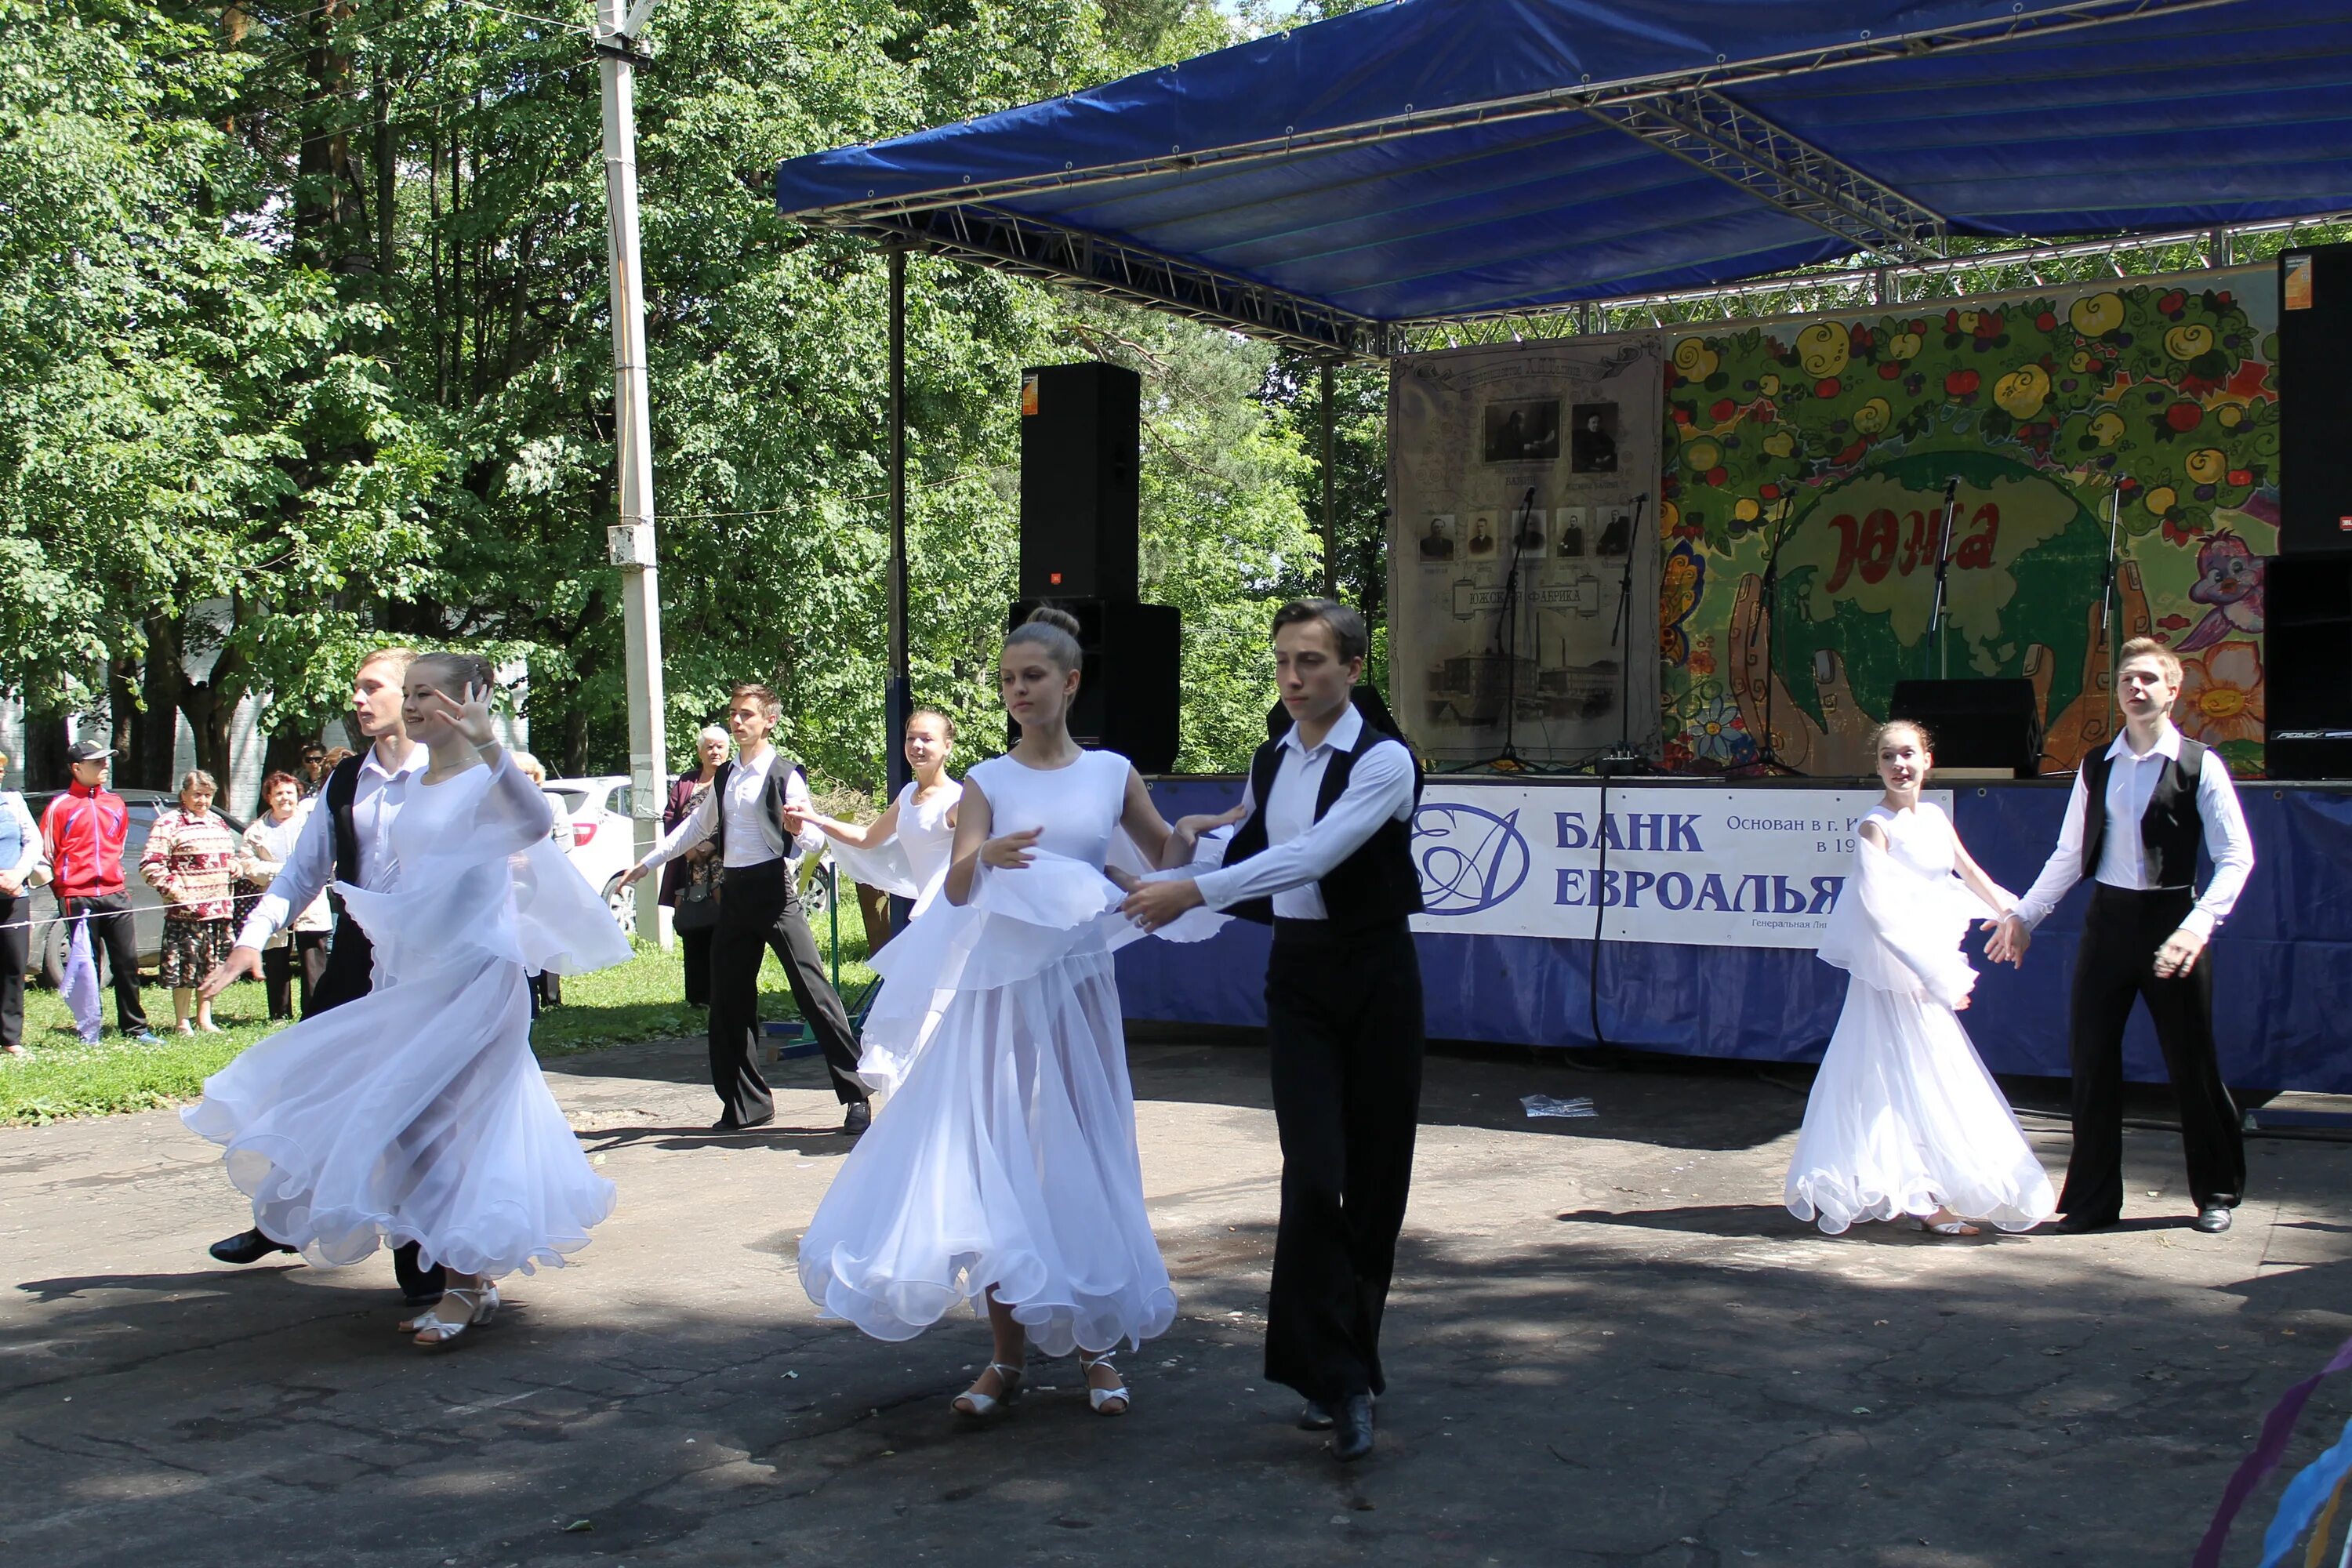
{"x": 1939, "y": 656}
{"x": 2106, "y": 597}
{"x": 1508, "y": 760}
{"x": 1622, "y": 758}
{"x": 1767, "y": 752}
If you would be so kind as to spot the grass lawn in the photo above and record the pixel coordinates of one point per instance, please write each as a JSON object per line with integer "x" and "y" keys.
{"x": 58, "y": 1075}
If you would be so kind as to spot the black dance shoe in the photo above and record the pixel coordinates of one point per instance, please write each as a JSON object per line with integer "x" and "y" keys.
{"x": 1351, "y": 1435}
{"x": 2083, "y": 1224}
{"x": 247, "y": 1247}
{"x": 2213, "y": 1219}
{"x": 1315, "y": 1417}
{"x": 728, "y": 1123}
{"x": 857, "y": 1118}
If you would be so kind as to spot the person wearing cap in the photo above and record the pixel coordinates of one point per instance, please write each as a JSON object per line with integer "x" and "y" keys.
{"x": 20, "y": 862}
{"x": 83, "y": 832}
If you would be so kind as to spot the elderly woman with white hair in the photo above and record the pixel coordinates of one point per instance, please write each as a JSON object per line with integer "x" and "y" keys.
{"x": 689, "y": 884}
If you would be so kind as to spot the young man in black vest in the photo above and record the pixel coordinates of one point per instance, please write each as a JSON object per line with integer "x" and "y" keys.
{"x": 756, "y": 810}
{"x": 1324, "y": 854}
{"x": 346, "y": 838}
{"x": 2139, "y": 814}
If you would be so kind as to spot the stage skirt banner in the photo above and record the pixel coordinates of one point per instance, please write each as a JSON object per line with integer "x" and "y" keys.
{"x": 1711, "y": 867}
{"x": 1525, "y": 482}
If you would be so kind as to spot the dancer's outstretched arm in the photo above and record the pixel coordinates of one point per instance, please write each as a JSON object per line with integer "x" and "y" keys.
{"x": 879, "y": 831}
{"x": 2065, "y": 869}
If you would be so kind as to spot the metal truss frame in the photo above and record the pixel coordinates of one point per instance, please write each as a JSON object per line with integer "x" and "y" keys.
{"x": 1009, "y": 242}
{"x": 1823, "y": 291}
{"x": 1710, "y": 132}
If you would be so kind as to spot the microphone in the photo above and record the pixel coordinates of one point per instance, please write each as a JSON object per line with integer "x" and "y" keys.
{"x": 1951, "y": 488}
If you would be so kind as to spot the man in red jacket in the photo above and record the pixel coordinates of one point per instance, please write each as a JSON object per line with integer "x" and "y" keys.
{"x": 84, "y": 829}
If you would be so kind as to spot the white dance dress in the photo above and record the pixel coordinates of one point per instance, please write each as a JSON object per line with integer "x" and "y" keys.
{"x": 1903, "y": 1119}
{"x": 418, "y": 1112}
{"x": 912, "y": 863}
{"x": 1008, "y": 1155}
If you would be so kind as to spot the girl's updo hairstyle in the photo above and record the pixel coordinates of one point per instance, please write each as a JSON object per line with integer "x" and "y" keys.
{"x": 1878, "y": 737}
{"x": 1055, "y": 630}
{"x": 947, "y": 725}
{"x": 457, "y": 670}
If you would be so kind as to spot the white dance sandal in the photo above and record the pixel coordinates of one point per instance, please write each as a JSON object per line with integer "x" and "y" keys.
{"x": 448, "y": 1321}
{"x": 977, "y": 1406}
{"x": 1102, "y": 1398}
{"x": 1945, "y": 1227}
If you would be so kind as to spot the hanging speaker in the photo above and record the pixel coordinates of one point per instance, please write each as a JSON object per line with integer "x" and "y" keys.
{"x": 2314, "y": 401}
{"x": 1080, "y": 489}
{"x": 2307, "y": 669}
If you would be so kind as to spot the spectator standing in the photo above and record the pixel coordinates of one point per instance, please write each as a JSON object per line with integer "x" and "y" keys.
{"x": 193, "y": 859}
{"x": 300, "y": 949}
{"x": 82, "y": 833}
{"x": 546, "y": 990}
{"x": 689, "y": 884}
{"x": 314, "y": 770}
{"x": 20, "y": 859}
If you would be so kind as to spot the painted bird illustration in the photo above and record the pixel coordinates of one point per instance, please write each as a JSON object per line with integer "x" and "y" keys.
{"x": 2229, "y": 578}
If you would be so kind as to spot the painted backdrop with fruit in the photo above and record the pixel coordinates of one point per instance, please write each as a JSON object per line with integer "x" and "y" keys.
{"x": 2157, "y": 397}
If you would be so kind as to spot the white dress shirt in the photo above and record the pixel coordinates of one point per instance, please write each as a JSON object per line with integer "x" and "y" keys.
{"x": 1301, "y": 851}
{"x": 273, "y": 842}
{"x": 28, "y": 856}
{"x": 375, "y": 802}
{"x": 2123, "y": 854}
{"x": 747, "y": 838}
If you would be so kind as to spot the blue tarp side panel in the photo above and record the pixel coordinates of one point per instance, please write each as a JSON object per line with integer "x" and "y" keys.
{"x": 2282, "y": 964}
{"x": 2228, "y": 113}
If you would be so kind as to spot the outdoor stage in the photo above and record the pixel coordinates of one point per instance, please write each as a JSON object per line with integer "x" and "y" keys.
{"x": 2283, "y": 992}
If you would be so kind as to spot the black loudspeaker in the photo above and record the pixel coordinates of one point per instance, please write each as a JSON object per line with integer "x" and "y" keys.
{"x": 1981, "y": 723}
{"x": 1131, "y": 684}
{"x": 2307, "y": 668}
{"x": 1080, "y": 429}
{"x": 2315, "y": 402}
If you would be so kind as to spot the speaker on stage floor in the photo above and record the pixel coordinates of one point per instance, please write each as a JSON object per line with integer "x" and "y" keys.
{"x": 1975, "y": 724}
{"x": 2315, "y": 406}
{"x": 1081, "y": 425}
{"x": 2307, "y": 668}
{"x": 1130, "y": 686}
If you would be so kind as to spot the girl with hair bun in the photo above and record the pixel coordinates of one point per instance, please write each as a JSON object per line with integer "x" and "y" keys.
{"x": 1903, "y": 1120}
{"x": 1005, "y": 1176}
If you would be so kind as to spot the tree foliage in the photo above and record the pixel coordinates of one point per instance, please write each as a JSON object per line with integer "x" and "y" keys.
{"x": 311, "y": 348}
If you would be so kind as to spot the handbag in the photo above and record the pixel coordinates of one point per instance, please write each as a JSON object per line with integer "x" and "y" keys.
{"x": 697, "y": 908}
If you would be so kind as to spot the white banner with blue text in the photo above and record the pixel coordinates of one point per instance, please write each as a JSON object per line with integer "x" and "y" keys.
{"x": 1708, "y": 866}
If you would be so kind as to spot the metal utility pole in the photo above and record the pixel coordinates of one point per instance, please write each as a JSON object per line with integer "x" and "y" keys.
{"x": 898, "y": 695}
{"x": 1330, "y": 493}
{"x": 629, "y": 543}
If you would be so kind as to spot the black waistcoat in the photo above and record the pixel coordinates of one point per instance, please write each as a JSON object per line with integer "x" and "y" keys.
{"x": 771, "y": 800}
{"x": 1377, "y": 885}
{"x": 342, "y": 788}
{"x": 2171, "y": 830}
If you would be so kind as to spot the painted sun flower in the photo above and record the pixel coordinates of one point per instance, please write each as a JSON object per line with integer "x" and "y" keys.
{"x": 2221, "y": 695}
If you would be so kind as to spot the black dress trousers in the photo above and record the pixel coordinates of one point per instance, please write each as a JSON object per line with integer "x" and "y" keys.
{"x": 1344, "y": 1026}
{"x": 758, "y": 911}
{"x": 2116, "y": 966}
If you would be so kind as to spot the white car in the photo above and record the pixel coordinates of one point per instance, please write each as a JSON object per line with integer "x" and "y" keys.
{"x": 603, "y": 837}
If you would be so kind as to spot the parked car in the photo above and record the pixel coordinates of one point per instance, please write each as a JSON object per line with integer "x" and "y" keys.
{"x": 603, "y": 837}
{"x": 51, "y": 934}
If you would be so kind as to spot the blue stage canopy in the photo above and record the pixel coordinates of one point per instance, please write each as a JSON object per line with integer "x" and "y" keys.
{"x": 1444, "y": 159}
